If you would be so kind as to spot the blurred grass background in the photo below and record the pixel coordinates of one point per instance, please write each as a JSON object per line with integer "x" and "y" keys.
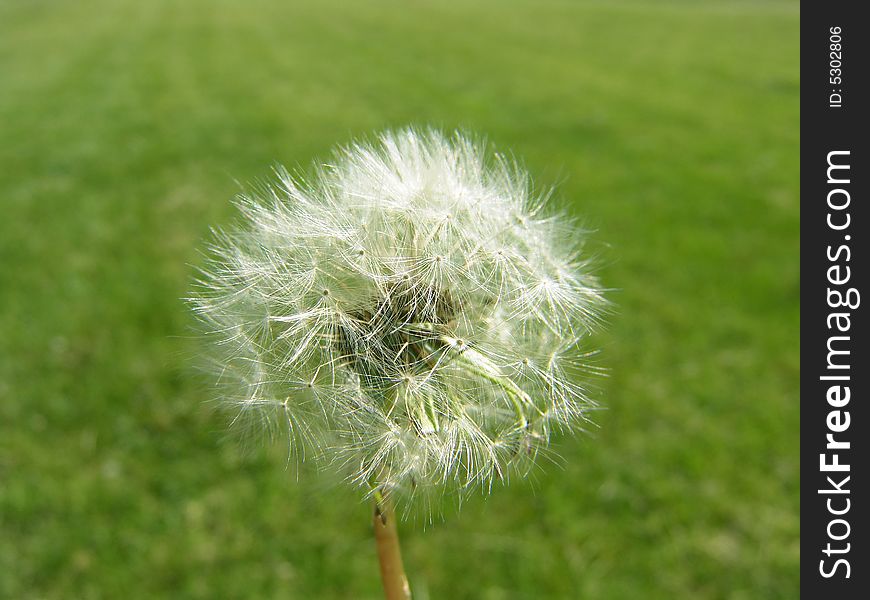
{"x": 672, "y": 127}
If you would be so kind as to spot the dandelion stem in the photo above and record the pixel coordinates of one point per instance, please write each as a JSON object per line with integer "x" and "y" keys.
{"x": 389, "y": 554}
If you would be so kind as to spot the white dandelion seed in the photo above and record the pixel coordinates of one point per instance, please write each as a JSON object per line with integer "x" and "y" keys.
{"x": 414, "y": 314}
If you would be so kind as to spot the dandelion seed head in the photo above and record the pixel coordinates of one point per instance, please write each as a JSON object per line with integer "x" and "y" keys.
{"x": 413, "y": 314}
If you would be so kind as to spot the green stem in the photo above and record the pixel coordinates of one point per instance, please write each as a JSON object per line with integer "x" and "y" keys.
{"x": 480, "y": 365}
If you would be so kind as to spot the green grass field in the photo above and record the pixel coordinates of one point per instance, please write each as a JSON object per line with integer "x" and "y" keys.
{"x": 671, "y": 127}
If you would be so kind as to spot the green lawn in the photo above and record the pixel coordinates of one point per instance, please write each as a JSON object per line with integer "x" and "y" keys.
{"x": 671, "y": 127}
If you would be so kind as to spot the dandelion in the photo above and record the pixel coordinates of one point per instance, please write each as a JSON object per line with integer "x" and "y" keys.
{"x": 414, "y": 315}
